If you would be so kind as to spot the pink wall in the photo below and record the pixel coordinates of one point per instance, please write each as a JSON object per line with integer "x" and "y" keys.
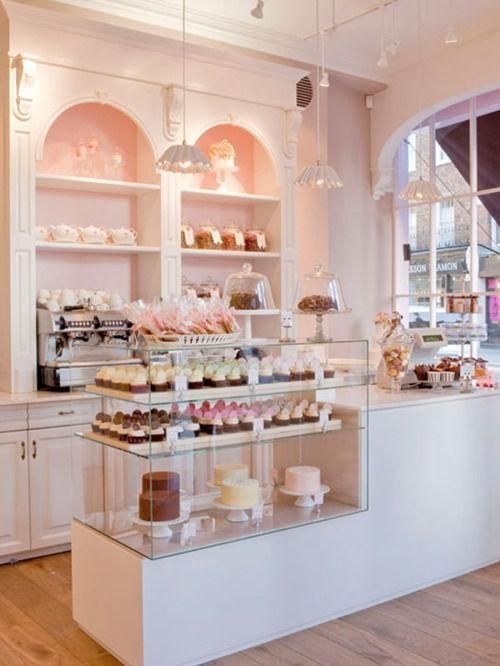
{"x": 90, "y": 121}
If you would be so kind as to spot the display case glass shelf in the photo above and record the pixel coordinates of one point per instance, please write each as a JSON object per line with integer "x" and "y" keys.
{"x": 196, "y": 465}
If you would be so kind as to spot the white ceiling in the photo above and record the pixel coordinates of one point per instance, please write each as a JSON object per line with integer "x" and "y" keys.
{"x": 351, "y": 49}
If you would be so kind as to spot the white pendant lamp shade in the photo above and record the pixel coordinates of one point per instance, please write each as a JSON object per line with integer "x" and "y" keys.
{"x": 420, "y": 191}
{"x": 184, "y": 158}
{"x": 319, "y": 176}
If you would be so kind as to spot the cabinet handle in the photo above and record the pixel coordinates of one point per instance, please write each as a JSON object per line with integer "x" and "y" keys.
{"x": 67, "y": 412}
{"x": 23, "y": 450}
{"x": 33, "y": 455}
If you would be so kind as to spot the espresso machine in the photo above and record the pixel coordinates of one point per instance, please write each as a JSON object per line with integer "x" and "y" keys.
{"x": 75, "y": 342}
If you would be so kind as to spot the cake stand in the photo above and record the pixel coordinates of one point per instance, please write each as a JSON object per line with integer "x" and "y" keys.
{"x": 158, "y": 529}
{"x": 304, "y": 501}
{"x": 236, "y": 514}
{"x": 319, "y": 333}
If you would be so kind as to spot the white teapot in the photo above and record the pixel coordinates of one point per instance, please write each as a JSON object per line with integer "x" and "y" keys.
{"x": 92, "y": 234}
{"x": 123, "y": 236}
{"x": 42, "y": 233}
{"x": 64, "y": 233}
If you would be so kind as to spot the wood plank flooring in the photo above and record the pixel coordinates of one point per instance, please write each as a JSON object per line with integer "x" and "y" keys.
{"x": 456, "y": 623}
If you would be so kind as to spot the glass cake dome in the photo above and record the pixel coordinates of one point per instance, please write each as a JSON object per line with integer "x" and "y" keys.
{"x": 248, "y": 290}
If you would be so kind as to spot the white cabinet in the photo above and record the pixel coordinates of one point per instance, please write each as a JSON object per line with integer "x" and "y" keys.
{"x": 14, "y": 493}
{"x": 51, "y": 490}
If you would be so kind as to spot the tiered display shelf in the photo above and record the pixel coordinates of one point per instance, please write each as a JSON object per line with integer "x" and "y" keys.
{"x": 336, "y": 444}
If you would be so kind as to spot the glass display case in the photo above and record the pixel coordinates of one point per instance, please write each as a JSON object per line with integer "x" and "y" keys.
{"x": 248, "y": 290}
{"x": 198, "y": 446}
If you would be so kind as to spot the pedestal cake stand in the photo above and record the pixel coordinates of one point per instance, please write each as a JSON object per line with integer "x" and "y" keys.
{"x": 158, "y": 529}
{"x": 304, "y": 501}
{"x": 236, "y": 514}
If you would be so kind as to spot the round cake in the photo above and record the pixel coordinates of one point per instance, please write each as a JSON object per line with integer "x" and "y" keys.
{"x": 230, "y": 472}
{"x": 161, "y": 480}
{"x": 244, "y": 493}
{"x": 159, "y": 505}
{"x": 302, "y": 479}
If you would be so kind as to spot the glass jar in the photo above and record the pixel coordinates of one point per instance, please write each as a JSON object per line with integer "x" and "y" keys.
{"x": 248, "y": 290}
{"x": 208, "y": 289}
{"x": 188, "y": 288}
{"x": 319, "y": 293}
{"x": 255, "y": 240}
{"x": 397, "y": 345}
{"x": 208, "y": 237}
{"x": 233, "y": 237}
{"x": 187, "y": 235}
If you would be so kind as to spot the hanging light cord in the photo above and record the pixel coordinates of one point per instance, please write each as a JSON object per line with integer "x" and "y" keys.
{"x": 184, "y": 71}
{"x": 420, "y": 73}
{"x": 318, "y": 56}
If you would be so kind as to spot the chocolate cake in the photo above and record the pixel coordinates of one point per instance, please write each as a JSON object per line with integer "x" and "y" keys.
{"x": 159, "y": 505}
{"x": 161, "y": 480}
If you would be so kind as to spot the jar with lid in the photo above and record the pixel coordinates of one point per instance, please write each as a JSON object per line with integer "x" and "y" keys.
{"x": 208, "y": 289}
{"x": 187, "y": 235}
{"x": 248, "y": 290}
{"x": 208, "y": 237}
{"x": 255, "y": 240}
{"x": 233, "y": 237}
{"x": 188, "y": 288}
{"x": 397, "y": 345}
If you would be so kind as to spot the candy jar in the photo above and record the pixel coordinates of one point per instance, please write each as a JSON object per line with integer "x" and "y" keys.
{"x": 397, "y": 345}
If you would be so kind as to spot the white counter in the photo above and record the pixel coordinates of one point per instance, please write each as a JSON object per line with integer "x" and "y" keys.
{"x": 9, "y": 399}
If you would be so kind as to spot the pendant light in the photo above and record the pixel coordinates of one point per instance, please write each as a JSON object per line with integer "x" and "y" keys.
{"x": 184, "y": 158}
{"x": 451, "y": 35}
{"x": 319, "y": 176}
{"x": 422, "y": 190}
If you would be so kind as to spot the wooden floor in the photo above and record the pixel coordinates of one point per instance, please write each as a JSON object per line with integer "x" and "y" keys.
{"x": 455, "y": 623}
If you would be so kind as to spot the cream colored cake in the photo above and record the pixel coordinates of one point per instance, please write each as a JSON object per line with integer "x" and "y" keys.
{"x": 244, "y": 493}
{"x": 230, "y": 472}
{"x": 302, "y": 479}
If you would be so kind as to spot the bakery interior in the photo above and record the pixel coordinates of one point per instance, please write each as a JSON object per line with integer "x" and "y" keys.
{"x": 250, "y": 282}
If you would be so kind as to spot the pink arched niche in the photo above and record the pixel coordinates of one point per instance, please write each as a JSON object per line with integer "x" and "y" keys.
{"x": 256, "y": 173}
{"x": 90, "y": 127}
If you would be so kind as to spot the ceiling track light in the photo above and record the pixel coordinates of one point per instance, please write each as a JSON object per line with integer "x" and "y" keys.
{"x": 258, "y": 11}
{"x": 184, "y": 158}
{"x": 319, "y": 176}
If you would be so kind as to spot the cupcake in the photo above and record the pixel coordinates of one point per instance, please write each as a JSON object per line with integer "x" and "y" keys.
{"x": 159, "y": 381}
{"x": 311, "y": 414}
{"x": 265, "y": 372}
{"x": 105, "y": 424}
{"x": 297, "y": 372}
{"x": 247, "y": 421}
{"x": 189, "y": 430}
{"x": 283, "y": 418}
{"x": 267, "y": 417}
{"x": 231, "y": 421}
{"x": 139, "y": 384}
{"x": 156, "y": 432}
{"x": 99, "y": 378}
{"x": 328, "y": 370}
{"x": 309, "y": 370}
{"x": 195, "y": 379}
{"x": 96, "y": 423}
{"x": 219, "y": 378}
{"x": 204, "y": 421}
{"x": 216, "y": 425}
{"x": 115, "y": 425}
{"x": 207, "y": 374}
{"x": 297, "y": 415}
{"x": 243, "y": 366}
{"x": 282, "y": 371}
{"x": 328, "y": 408}
{"x": 136, "y": 434}
{"x": 124, "y": 429}
{"x": 107, "y": 377}
{"x": 234, "y": 376}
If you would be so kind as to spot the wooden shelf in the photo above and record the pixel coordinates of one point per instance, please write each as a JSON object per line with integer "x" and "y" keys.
{"x": 227, "y": 197}
{"x": 95, "y": 248}
{"x": 229, "y": 254}
{"x": 82, "y": 184}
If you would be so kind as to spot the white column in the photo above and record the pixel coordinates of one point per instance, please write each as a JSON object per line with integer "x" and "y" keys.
{"x": 434, "y": 219}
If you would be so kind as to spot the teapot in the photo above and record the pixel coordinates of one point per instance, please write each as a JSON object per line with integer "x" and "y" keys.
{"x": 64, "y": 233}
{"x": 42, "y": 233}
{"x": 92, "y": 234}
{"x": 123, "y": 236}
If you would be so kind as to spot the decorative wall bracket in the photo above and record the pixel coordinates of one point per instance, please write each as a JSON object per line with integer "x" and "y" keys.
{"x": 382, "y": 181}
{"x": 172, "y": 115}
{"x": 293, "y": 123}
{"x": 25, "y": 71}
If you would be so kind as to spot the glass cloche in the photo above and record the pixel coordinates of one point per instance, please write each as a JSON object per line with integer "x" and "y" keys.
{"x": 397, "y": 345}
{"x": 248, "y": 290}
{"x": 319, "y": 293}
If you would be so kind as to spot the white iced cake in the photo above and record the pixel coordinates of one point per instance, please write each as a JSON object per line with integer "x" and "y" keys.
{"x": 230, "y": 472}
{"x": 303, "y": 479}
{"x": 244, "y": 493}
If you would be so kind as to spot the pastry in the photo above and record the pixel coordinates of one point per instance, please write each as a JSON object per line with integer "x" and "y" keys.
{"x": 156, "y": 432}
{"x": 328, "y": 370}
{"x": 96, "y": 423}
{"x": 105, "y": 424}
{"x": 234, "y": 376}
{"x": 231, "y": 422}
{"x": 268, "y": 418}
{"x": 139, "y": 383}
{"x": 240, "y": 300}
{"x": 297, "y": 372}
{"x": 247, "y": 421}
{"x": 265, "y": 372}
{"x": 283, "y": 418}
{"x": 136, "y": 434}
{"x": 303, "y": 479}
{"x": 311, "y": 413}
{"x": 297, "y": 415}
{"x": 316, "y": 304}
{"x": 240, "y": 493}
{"x": 159, "y": 381}
{"x": 195, "y": 380}
{"x": 219, "y": 378}
{"x": 230, "y": 471}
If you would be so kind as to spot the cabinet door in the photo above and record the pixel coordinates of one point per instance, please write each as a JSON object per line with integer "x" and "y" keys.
{"x": 14, "y": 493}
{"x": 52, "y": 454}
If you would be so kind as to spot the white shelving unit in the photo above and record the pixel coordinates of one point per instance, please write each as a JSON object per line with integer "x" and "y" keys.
{"x": 229, "y": 254}
{"x": 83, "y": 184}
{"x": 93, "y": 248}
{"x": 216, "y": 196}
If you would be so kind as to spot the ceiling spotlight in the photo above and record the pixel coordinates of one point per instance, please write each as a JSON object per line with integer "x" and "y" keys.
{"x": 451, "y": 35}
{"x": 325, "y": 82}
{"x": 258, "y": 11}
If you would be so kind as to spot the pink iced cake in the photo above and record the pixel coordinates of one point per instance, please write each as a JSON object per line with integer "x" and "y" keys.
{"x": 302, "y": 479}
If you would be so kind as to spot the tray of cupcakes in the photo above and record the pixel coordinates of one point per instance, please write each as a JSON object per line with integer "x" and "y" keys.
{"x": 219, "y": 423}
